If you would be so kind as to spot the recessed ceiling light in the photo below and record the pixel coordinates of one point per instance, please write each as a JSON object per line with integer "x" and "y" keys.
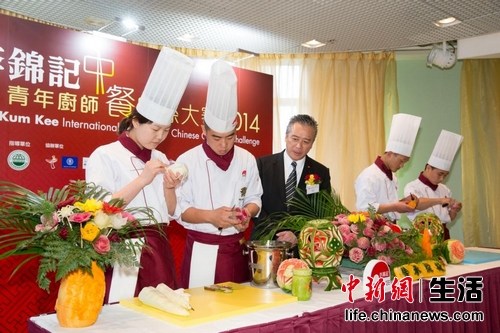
{"x": 130, "y": 24}
{"x": 187, "y": 38}
{"x": 447, "y": 22}
{"x": 312, "y": 44}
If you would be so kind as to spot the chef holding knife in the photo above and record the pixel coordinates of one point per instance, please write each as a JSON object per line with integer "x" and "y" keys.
{"x": 434, "y": 196}
{"x": 377, "y": 185}
{"x": 222, "y": 192}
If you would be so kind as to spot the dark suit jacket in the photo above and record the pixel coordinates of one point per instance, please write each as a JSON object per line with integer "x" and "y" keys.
{"x": 272, "y": 175}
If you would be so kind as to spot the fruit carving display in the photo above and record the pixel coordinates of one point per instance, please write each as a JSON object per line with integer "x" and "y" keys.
{"x": 284, "y": 275}
{"x": 453, "y": 251}
{"x": 432, "y": 223}
{"x": 423, "y": 269}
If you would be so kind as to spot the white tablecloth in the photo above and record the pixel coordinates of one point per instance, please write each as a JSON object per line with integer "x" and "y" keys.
{"x": 116, "y": 318}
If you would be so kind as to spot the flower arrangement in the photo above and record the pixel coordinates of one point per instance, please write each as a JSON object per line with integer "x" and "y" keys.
{"x": 312, "y": 179}
{"x": 367, "y": 236}
{"x": 68, "y": 228}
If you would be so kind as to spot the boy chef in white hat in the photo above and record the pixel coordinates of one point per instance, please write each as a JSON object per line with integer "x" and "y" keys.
{"x": 133, "y": 169}
{"x": 377, "y": 185}
{"x": 434, "y": 196}
{"x": 222, "y": 192}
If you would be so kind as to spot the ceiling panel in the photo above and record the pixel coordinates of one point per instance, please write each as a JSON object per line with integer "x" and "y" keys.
{"x": 274, "y": 26}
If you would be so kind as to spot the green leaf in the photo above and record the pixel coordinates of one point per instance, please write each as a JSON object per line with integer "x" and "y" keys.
{"x": 303, "y": 207}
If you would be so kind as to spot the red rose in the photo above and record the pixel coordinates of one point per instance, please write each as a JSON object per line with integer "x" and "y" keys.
{"x": 63, "y": 233}
{"x": 114, "y": 237}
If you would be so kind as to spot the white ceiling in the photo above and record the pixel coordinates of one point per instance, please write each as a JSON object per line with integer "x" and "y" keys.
{"x": 275, "y": 26}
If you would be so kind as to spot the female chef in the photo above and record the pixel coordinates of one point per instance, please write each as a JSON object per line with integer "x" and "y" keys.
{"x": 132, "y": 169}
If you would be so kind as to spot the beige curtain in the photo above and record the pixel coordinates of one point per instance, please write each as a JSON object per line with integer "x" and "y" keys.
{"x": 349, "y": 94}
{"x": 480, "y": 119}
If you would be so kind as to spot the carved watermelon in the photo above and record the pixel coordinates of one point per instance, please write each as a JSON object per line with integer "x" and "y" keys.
{"x": 453, "y": 251}
{"x": 431, "y": 222}
{"x": 285, "y": 273}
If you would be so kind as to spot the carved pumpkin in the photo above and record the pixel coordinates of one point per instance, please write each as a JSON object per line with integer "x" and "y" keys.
{"x": 80, "y": 298}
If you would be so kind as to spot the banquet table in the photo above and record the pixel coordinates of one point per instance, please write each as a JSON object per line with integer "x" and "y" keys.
{"x": 326, "y": 311}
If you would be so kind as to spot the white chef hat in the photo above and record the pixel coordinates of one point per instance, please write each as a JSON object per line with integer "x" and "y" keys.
{"x": 165, "y": 86}
{"x": 445, "y": 149}
{"x": 222, "y": 101}
{"x": 403, "y": 133}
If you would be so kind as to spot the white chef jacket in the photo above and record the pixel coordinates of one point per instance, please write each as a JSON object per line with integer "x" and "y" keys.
{"x": 421, "y": 190}
{"x": 374, "y": 188}
{"x": 113, "y": 166}
{"x": 209, "y": 187}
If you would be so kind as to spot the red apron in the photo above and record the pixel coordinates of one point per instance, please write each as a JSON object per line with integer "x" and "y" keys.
{"x": 232, "y": 260}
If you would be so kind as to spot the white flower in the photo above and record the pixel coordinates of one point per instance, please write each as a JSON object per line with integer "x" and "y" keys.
{"x": 118, "y": 221}
{"x": 102, "y": 220}
{"x": 66, "y": 211}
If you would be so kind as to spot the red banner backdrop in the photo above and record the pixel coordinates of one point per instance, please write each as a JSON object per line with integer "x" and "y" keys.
{"x": 62, "y": 94}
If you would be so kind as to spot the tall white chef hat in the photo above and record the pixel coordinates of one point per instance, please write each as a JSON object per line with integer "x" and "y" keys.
{"x": 222, "y": 100}
{"x": 445, "y": 149}
{"x": 403, "y": 133}
{"x": 165, "y": 86}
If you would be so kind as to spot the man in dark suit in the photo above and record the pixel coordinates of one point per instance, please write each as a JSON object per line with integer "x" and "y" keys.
{"x": 275, "y": 169}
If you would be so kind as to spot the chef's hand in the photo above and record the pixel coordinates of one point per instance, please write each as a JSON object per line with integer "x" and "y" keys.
{"x": 455, "y": 206}
{"x": 244, "y": 216}
{"x": 151, "y": 169}
{"x": 411, "y": 201}
{"x": 287, "y": 236}
{"x": 171, "y": 179}
{"x": 402, "y": 207}
{"x": 224, "y": 217}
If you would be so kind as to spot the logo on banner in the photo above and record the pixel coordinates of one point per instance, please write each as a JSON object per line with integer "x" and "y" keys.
{"x": 69, "y": 162}
{"x": 52, "y": 161}
{"x": 18, "y": 160}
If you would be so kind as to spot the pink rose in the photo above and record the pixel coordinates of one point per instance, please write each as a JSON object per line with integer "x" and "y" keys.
{"x": 398, "y": 243}
{"x": 387, "y": 259}
{"x": 356, "y": 255}
{"x": 101, "y": 244}
{"x": 379, "y": 246}
{"x": 350, "y": 239}
{"x": 344, "y": 229}
{"x": 128, "y": 215}
{"x": 383, "y": 230}
{"x": 80, "y": 217}
{"x": 363, "y": 243}
{"x": 354, "y": 228}
{"x": 369, "y": 232}
{"x": 342, "y": 219}
{"x": 408, "y": 250}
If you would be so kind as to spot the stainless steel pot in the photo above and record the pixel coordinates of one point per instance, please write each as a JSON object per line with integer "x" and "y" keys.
{"x": 264, "y": 258}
